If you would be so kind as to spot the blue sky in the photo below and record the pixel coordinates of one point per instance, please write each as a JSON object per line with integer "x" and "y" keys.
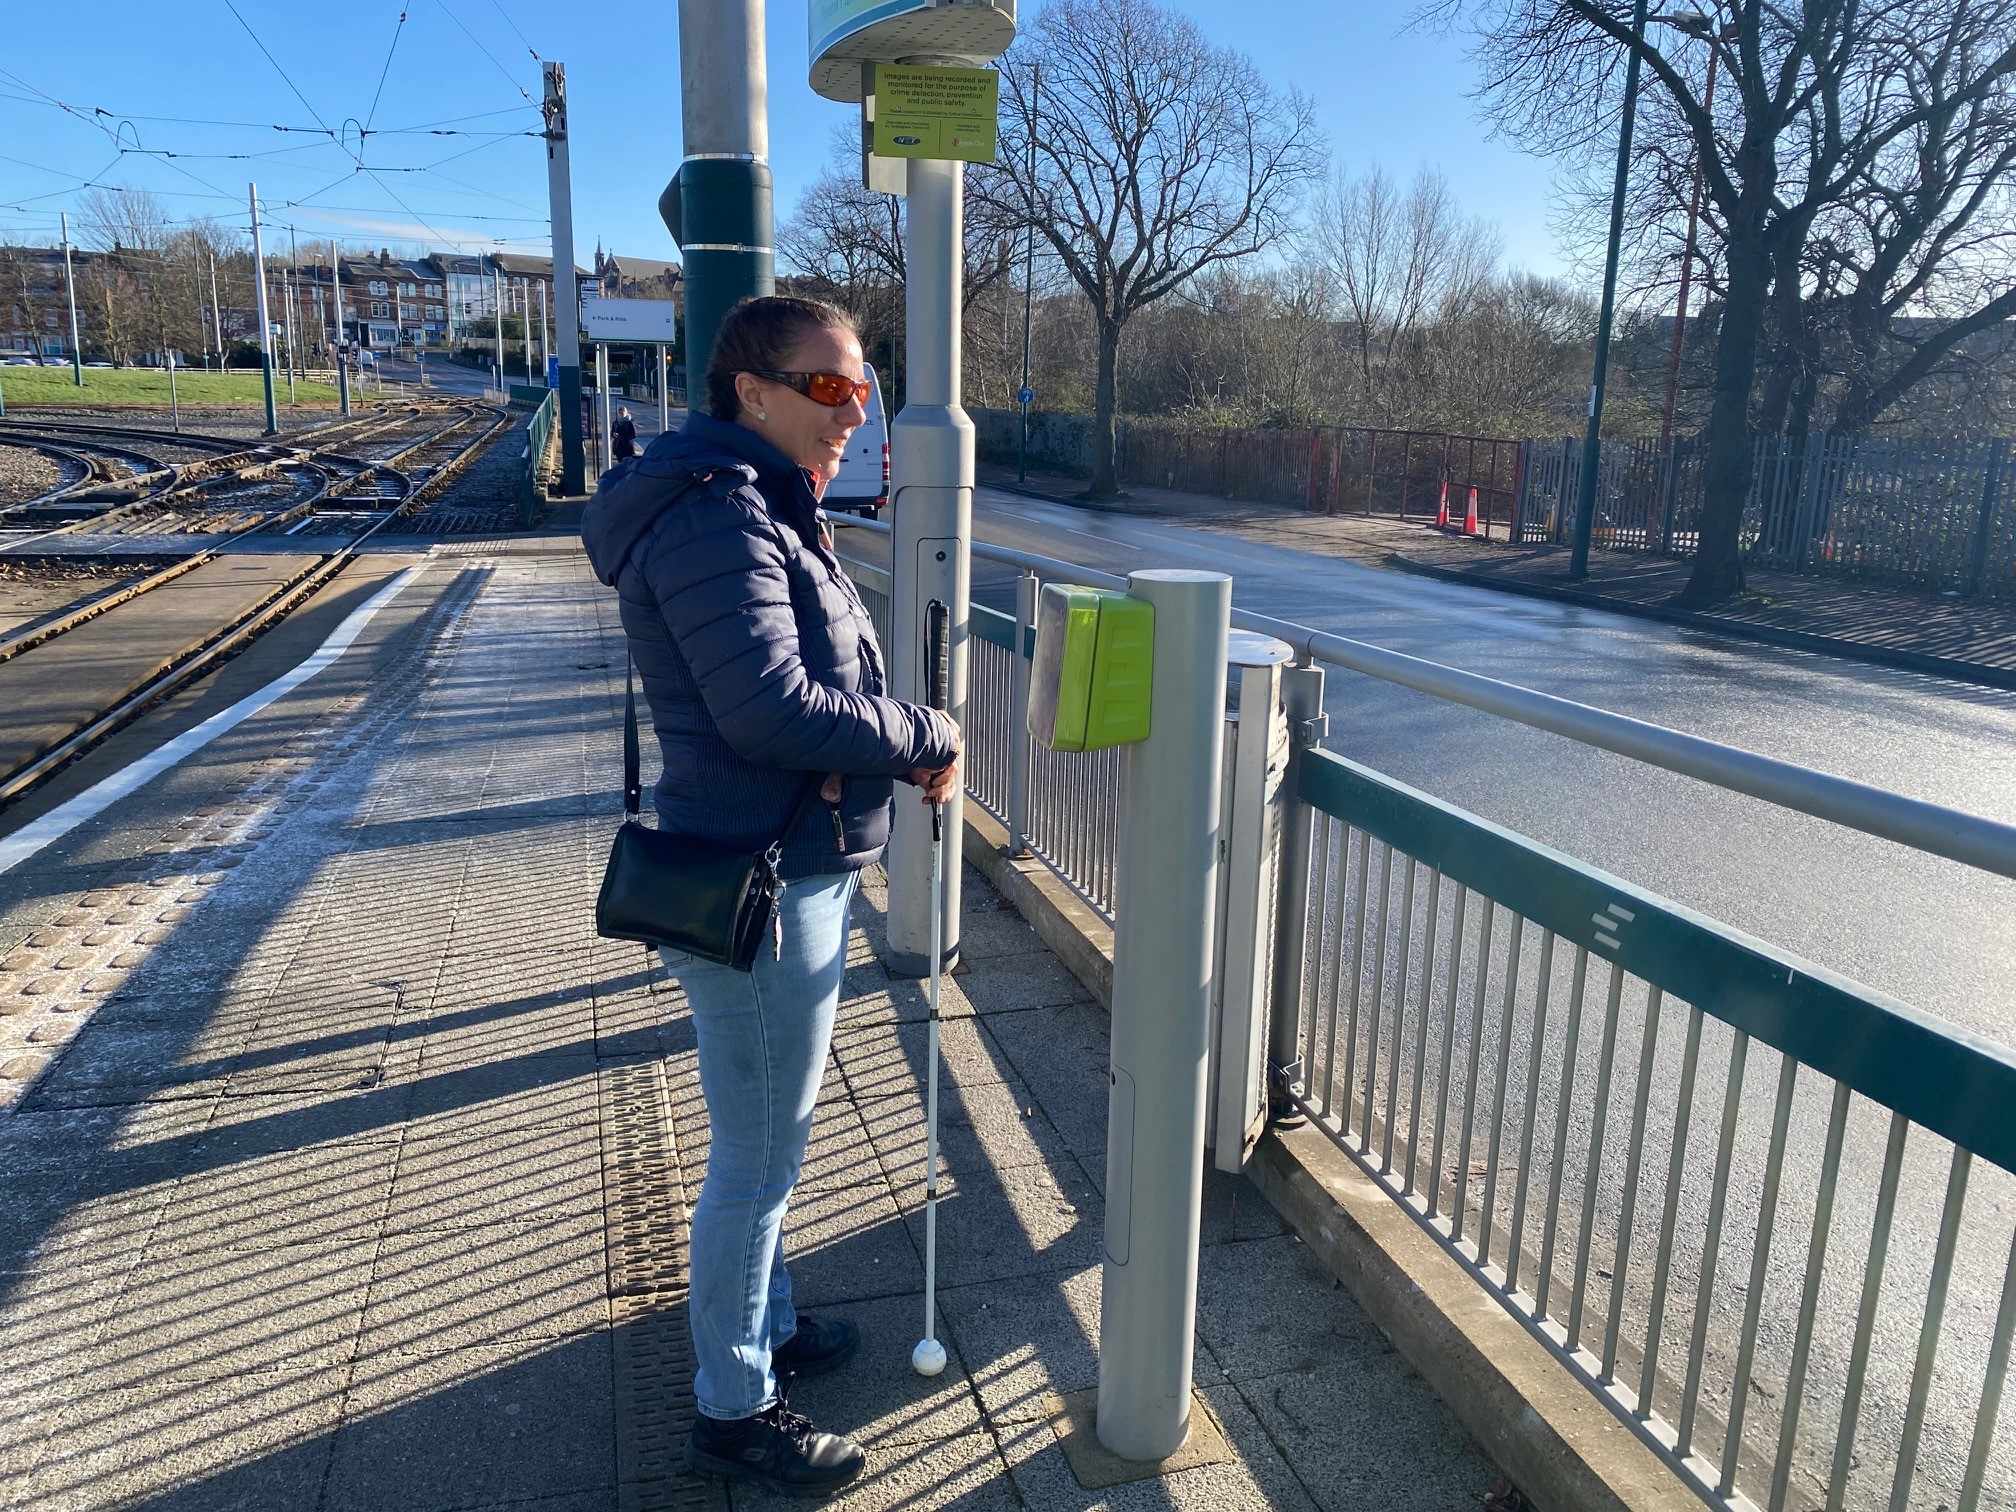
{"x": 1384, "y": 95}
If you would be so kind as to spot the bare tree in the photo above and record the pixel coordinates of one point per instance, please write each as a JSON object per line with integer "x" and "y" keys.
{"x": 1807, "y": 106}
{"x": 1158, "y": 156}
{"x": 1397, "y": 260}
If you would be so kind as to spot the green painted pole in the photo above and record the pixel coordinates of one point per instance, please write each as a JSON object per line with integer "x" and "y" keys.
{"x": 718, "y": 206}
{"x": 1592, "y": 444}
{"x": 265, "y": 318}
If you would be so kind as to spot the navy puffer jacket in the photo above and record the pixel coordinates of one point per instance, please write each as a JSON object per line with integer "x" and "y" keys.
{"x": 756, "y": 655}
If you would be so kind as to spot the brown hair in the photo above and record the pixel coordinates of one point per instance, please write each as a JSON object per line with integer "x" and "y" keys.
{"x": 757, "y": 335}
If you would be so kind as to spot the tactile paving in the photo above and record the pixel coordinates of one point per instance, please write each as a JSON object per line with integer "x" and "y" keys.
{"x": 644, "y": 1197}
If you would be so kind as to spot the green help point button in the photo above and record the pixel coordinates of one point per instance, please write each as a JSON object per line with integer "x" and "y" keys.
{"x": 1095, "y": 660}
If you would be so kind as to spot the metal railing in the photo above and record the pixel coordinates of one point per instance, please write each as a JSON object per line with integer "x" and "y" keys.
{"x": 1064, "y": 809}
{"x": 1937, "y": 514}
{"x": 538, "y": 441}
{"x": 1683, "y": 1159}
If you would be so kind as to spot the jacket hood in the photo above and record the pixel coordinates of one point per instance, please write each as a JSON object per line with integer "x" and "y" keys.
{"x": 632, "y": 494}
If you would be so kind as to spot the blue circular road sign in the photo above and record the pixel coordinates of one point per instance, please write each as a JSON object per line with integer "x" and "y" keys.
{"x": 1025, "y": 396}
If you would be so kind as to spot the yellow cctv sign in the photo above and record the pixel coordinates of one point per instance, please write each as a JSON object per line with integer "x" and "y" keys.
{"x": 936, "y": 112}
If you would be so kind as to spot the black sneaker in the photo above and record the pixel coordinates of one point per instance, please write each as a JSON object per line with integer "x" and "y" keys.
{"x": 776, "y": 1448}
{"x": 820, "y": 1345}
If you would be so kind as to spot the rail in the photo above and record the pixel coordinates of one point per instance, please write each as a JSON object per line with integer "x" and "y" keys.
{"x": 538, "y": 440}
{"x": 1761, "y": 1212}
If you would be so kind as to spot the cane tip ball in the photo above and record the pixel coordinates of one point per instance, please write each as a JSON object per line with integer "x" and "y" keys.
{"x": 928, "y": 1358}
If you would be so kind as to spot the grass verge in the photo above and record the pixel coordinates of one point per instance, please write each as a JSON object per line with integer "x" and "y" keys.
{"x": 46, "y": 385}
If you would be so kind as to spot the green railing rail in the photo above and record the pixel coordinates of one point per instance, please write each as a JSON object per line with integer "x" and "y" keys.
{"x": 1448, "y": 980}
{"x": 538, "y": 440}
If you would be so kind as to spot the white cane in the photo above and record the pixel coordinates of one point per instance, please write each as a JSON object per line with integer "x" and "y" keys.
{"x": 928, "y": 1358}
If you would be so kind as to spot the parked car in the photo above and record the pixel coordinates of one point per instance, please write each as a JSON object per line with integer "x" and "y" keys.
{"x": 862, "y": 486}
{"x": 22, "y": 362}
{"x": 107, "y": 364}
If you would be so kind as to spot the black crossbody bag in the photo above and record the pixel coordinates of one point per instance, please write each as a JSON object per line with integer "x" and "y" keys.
{"x": 710, "y": 900}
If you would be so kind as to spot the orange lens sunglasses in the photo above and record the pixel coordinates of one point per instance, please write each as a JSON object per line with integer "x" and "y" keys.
{"x": 829, "y": 389}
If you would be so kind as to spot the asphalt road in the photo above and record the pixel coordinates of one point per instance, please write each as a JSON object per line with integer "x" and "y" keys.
{"x": 1936, "y": 935}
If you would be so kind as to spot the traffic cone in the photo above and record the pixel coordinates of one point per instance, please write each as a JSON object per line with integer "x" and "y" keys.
{"x": 1470, "y": 514}
{"x": 1442, "y": 514}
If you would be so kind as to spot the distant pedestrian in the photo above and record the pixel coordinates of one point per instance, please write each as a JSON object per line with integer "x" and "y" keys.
{"x": 623, "y": 439}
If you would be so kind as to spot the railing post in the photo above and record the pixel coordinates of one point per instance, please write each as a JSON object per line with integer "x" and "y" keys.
{"x": 1570, "y": 466}
{"x": 1668, "y": 496}
{"x": 1162, "y": 956}
{"x": 1977, "y": 545}
{"x": 1026, "y": 587}
{"x": 1302, "y": 701}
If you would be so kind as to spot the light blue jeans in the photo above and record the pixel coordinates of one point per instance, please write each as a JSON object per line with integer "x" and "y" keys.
{"x": 763, "y": 1038}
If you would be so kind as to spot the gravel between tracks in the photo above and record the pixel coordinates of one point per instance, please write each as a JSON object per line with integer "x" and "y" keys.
{"x": 482, "y": 500}
{"x": 24, "y": 474}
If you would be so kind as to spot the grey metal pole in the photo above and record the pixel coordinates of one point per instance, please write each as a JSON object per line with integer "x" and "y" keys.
{"x": 1028, "y": 285}
{"x": 287, "y": 317}
{"x": 543, "y": 338}
{"x": 931, "y": 507}
{"x": 566, "y": 293}
{"x": 1162, "y": 955}
{"x": 664, "y": 392}
{"x": 336, "y": 322}
{"x": 525, "y": 293}
{"x": 1302, "y": 698}
{"x": 174, "y": 404}
{"x": 70, "y": 293}
{"x": 602, "y": 417}
{"x": 718, "y": 205}
{"x": 217, "y": 314}
{"x": 265, "y": 321}
{"x": 1592, "y": 445}
{"x": 1026, "y": 589}
{"x": 497, "y": 318}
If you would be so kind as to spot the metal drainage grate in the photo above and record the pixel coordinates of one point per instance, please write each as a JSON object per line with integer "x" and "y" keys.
{"x": 645, "y": 1216}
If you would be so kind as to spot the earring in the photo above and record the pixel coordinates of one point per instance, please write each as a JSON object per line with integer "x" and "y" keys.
{"x": 762, "y": 414}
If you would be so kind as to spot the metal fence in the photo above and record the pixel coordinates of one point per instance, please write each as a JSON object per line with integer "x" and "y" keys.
{"x": 1761, "y": 1212}
{"x": 1063, "y": 808}
{"x": 1932, "y": 514}
{"x": 538, "y": 440}
{"x": 1333, "y": 469}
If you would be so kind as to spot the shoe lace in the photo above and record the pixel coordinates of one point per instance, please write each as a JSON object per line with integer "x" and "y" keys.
{"x": 791, "y": 1425}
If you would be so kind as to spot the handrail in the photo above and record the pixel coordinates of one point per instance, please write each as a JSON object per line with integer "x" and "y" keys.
{"x": 1970, "y": 839}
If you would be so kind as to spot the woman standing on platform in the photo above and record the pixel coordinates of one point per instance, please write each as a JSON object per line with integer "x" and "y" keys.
{"x": 766, "y": 689}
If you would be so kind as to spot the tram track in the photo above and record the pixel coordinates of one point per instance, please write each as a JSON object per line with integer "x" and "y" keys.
{"x": 83, "y": 670}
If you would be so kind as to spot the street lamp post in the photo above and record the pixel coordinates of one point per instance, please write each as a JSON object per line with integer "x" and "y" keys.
{"x": 1022, "y": 396}
{"x": 70, "y": 293}
{"x": 1592, "y": 443}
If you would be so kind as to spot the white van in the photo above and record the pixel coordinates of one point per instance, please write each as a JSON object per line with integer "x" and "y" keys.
{"x": 862, "y": 486}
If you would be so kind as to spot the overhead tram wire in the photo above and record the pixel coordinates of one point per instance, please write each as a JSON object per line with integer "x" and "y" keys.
{"x": 450, "y": 12}
{"x": 520, "y": 35}
{"x": 97, "y": 117}
{"x": 316, "y": 116}
{"x": 372, "y": 114}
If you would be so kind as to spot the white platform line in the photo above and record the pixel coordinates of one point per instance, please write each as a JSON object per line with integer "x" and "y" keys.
{"x": 59, "y": 821}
